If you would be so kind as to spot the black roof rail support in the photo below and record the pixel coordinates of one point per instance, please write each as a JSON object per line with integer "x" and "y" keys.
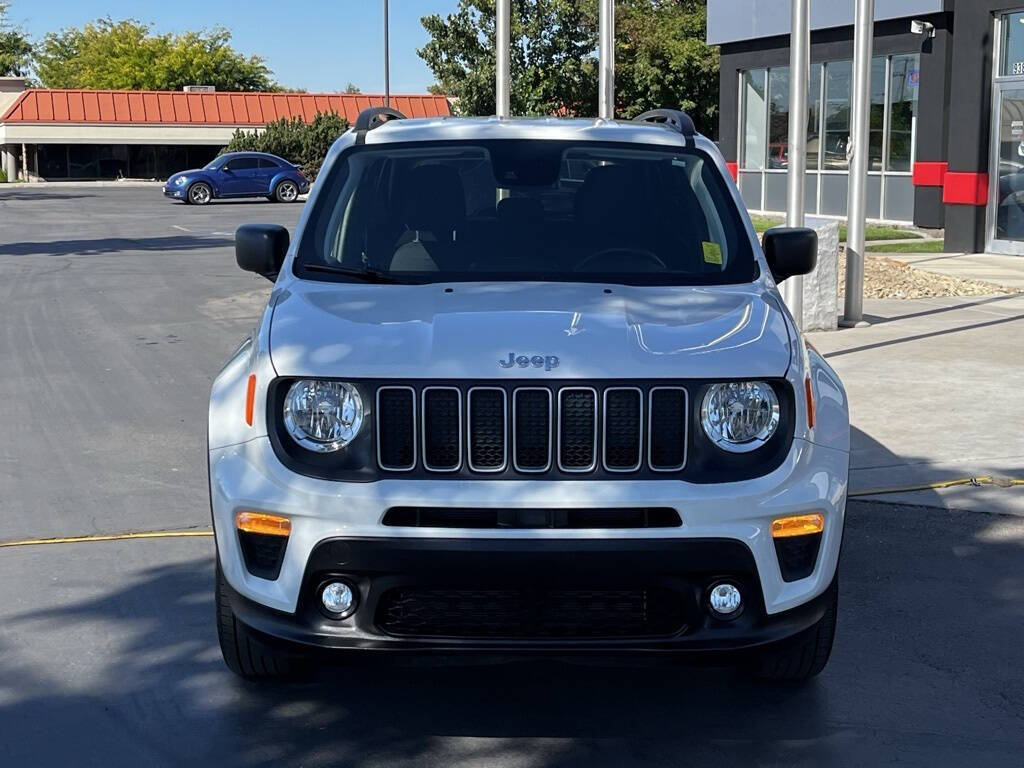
{"x": 374, "y": 117}
{"x": 675, "y": 119}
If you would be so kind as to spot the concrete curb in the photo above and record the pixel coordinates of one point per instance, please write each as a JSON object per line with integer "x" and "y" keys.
{"x": 51, "y": 185}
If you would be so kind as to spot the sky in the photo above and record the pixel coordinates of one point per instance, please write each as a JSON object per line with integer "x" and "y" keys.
{"x": 312, "y": 44}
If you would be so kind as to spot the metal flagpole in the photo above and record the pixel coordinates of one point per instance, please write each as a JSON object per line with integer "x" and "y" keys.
{"x": 857, "y": 153}
{"x": 387, "y": 60}
{"x": 502, "y": 35}
{"x": 606, "y": 53}
{"x": 799, "y": 74}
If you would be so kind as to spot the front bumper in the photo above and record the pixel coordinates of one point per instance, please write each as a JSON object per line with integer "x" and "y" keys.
{"x": 175, "y": 192}
{"x": 249, "y": 476}
{"x": 487, "y": 573}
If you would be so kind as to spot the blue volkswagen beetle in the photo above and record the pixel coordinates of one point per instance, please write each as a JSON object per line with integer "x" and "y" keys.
{"x": 239, "y": 174}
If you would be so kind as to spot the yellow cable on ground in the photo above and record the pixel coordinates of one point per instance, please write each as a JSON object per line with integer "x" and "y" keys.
{"x": 109, "y": 537}
{"x": 999, "y": 480}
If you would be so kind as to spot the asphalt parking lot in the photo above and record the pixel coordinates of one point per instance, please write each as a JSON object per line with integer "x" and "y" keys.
{"x": 118, "y": 308}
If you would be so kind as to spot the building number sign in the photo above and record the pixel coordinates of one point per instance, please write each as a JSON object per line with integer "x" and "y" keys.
{"x": 1018, "y": 68}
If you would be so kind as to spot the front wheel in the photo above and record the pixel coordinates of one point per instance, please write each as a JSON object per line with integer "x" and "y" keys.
{"x": 286, "y": 192}
{"x": 804, "y": 656}
{"x": 244, "y": 653}
{"x": 200, "y": 193}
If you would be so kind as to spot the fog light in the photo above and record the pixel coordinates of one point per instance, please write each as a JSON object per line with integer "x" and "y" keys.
{"x": 725, "y": 600}
{"x": 337, "y": 598}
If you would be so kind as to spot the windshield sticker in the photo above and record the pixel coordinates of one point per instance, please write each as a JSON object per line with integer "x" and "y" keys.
{"x": 712, "y": 253}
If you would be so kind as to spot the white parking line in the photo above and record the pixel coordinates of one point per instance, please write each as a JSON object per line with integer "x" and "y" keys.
{"x": 183, "y": 229}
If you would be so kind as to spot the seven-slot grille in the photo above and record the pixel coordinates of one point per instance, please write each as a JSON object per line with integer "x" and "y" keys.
{"x": 531, "y": 429}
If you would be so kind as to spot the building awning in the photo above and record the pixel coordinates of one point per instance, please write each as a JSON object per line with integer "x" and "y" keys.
{"x": 221, "y": 109}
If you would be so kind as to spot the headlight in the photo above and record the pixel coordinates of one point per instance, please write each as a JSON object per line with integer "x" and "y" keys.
{"x": 323, "y": 416}
{"x": 180, "y": 181}
{"x": 740, "y": 416}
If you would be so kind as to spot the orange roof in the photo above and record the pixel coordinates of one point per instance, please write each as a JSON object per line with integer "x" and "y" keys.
{"x": 220, "y": 108}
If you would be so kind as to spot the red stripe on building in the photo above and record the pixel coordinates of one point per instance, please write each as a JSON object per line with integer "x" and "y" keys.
{"x": 965, "y": 188}
{"x": 929, "y": 174}
{"x": 734, "y": 170}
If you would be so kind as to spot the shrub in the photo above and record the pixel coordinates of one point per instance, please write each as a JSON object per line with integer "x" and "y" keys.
{"x": 304, "y": 144}
{"x": 3, "y": 176}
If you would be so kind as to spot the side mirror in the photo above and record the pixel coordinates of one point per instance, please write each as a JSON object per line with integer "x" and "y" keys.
{"x": 261, "y": 248}
{"x": 790, "y": 251}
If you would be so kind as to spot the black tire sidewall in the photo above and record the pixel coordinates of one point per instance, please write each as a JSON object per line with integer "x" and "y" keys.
{"x": 188, "y": 194}
{"x": 280, "y": 186}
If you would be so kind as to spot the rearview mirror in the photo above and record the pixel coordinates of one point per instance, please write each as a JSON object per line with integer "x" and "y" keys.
{"x": 261, "y": 248}
{"x": 790, "y": 251}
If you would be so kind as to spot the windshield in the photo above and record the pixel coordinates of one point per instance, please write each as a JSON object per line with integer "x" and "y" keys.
{"x": 213, "y": 164}
{"x": 526, "y": 210}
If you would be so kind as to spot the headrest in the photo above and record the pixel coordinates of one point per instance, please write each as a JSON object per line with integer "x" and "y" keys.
{"x": 514, "y": 212}
{"x": 433, "y": 200}
{"x": 611, "y": 198}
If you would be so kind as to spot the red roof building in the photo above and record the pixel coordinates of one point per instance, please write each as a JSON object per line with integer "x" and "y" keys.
{"x": 59, "y": 134}
{"x": 194, "y": 109}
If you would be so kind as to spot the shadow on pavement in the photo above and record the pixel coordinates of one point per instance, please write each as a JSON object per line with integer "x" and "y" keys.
{"x": 27, "y": 194}
{"x": 929, "y": 629}
{"x": 113, "y": 245}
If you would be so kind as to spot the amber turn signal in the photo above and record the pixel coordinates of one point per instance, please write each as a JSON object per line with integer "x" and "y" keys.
{"x": 250, "y": 398}
{"x": 260, "y": 522}
{"x": 810, "y": 402}
{"x": 797, "y": 525}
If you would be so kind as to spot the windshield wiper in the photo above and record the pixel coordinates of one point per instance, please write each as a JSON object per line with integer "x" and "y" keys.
{"x": 368, "y": 275}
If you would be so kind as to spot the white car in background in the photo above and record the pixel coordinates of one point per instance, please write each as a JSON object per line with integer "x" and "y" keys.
{"x": 527, "y": 385}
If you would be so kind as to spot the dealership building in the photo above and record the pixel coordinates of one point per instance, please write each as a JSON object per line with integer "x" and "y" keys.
{"x": 57, "y": 135}
{"x": 947, "y": 112}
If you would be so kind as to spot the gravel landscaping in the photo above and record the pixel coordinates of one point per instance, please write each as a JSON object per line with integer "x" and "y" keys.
{"x": 886, "y": 278}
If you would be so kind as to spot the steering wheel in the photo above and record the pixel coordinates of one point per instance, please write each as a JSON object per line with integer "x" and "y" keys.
{"x": 654, "y": 262}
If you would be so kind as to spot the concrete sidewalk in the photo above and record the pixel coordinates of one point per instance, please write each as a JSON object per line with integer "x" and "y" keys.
{"x": 936, "y": 393}
{"x": 989, "y": 267}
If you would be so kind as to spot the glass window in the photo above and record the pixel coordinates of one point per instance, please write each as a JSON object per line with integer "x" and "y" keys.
{"x": 53, "y": 160}
{"x": 268, "y": 163}
{"x": 242, "y": 164}
{"x": 903, "y": 90}
{"x": 753, "y": 142}
{"x": 97, "y": 161}
{"x": 837, "y": 114}
{"x": 814, "y": 118}
{"x": 430, "y": 213}
{"x": 1013, "y": 44}
{"x": 838, "y": 79}
{"x": 877, "y": 121}
{"x": 778, "y": 117}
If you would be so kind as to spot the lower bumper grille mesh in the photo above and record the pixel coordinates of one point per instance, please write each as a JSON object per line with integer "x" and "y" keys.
{"x": 531, "y": 613}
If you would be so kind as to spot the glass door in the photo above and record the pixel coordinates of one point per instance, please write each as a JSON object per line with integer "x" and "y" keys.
{"x": 1005, "y": 214}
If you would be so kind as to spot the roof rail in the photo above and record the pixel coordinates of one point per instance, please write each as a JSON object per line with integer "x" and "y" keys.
{"x": 675, "y": 119}
{"x": 374, "y": 117}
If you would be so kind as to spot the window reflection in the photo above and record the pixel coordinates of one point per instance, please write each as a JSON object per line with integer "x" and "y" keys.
{"x": 753, "y": 117}
{"x": 903, "y": 89}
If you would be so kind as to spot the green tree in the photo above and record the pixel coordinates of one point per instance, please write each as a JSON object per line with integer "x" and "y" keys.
{"x": 128, "y": 55}
{"x": 305, "y": 144}
{"x": 352, "y": 88}
{"x": 661, "y": 59}
{"x": 15, "y": 48}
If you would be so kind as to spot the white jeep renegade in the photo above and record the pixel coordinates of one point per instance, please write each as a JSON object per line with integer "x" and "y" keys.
{"x": 521, "y": 386}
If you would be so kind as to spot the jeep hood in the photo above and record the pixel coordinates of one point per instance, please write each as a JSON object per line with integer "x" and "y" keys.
{"x": 462, "y": 330}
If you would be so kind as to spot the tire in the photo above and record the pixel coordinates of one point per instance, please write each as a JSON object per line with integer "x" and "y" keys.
{"x": 245, "y": 654}
{"x": 199, "y": 193}
{"x": 286, "y": 191}
{"x": 800, "y": 658}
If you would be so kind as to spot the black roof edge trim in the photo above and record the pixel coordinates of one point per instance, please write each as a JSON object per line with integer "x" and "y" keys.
{"x": 675, "y": 119}
{"x": 374, "y": 117}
